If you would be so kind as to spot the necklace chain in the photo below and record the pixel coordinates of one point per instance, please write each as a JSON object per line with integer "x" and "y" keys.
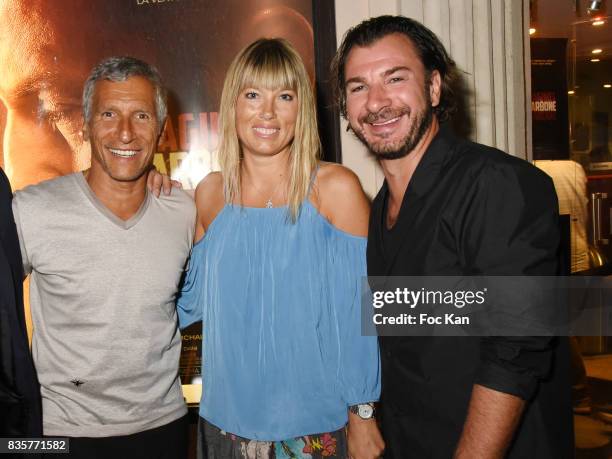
{"x": 269, "y": 204}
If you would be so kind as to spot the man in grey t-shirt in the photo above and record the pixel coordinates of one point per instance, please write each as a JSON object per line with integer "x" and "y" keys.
{"x": 105, "y": 258}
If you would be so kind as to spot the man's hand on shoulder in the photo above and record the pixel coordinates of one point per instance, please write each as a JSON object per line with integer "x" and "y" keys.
{"x": 157, "y": 182}
{"x": 364, "y": 438}
{"x": 341, "y": 199}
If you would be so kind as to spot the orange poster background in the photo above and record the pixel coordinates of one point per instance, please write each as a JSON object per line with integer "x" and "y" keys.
{"x": 47, "y": 49}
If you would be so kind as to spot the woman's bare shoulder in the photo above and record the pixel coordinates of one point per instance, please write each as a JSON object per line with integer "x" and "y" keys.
{"x": 341, "y": 199}
{"x": 209, "y": 198}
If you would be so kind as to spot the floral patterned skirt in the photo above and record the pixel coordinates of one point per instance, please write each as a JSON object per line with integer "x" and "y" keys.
{"x": 218, "y": 444}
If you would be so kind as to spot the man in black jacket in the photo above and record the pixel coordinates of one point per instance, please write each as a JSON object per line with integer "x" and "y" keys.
{"x": 450, "y": 207}
{"x": 20, "y": 412}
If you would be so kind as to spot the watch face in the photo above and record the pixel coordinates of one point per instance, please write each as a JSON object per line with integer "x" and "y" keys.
{"x": 365, "y": 411}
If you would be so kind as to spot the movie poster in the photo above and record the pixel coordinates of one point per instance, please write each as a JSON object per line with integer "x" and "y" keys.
{"x": 549, "y": 105}
{"x": 47, "y": 49}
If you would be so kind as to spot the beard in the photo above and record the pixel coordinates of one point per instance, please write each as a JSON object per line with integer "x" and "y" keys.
{"x": 403, "y": 147}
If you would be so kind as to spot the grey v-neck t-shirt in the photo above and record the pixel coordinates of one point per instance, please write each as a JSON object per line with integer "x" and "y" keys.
{"x": 102, "y": 294}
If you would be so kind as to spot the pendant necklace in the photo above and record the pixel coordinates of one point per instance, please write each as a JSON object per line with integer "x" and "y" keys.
{"x": 269, "y": 204}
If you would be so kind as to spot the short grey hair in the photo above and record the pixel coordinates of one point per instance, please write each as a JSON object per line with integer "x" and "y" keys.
{"x": 120, "y": 68}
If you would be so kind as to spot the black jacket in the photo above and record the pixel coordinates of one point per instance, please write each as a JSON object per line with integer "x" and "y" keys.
{"x": 470, "y": 210}
{"x": 20, "y": 406}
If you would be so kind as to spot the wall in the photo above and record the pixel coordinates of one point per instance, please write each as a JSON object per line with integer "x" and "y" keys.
{"x": 486, "y": 38}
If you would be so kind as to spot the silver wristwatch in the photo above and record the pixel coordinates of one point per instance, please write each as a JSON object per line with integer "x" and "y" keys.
{"x": 363, "y": 410}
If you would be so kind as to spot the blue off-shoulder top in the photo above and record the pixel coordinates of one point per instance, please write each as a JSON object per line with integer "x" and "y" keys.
{"x": 283, "y": 354}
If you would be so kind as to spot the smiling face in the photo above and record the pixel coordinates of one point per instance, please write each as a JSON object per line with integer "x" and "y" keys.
{"x": 389, "y": 98}
{"x": 265, "y": 120}
{"x": 123, "y": 129}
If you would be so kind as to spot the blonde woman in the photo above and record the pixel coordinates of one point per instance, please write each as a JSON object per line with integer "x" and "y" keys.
{"x": 275, "y": 277}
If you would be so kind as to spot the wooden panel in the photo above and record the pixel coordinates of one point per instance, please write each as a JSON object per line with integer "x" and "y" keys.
{"x": 324, "y": 25}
